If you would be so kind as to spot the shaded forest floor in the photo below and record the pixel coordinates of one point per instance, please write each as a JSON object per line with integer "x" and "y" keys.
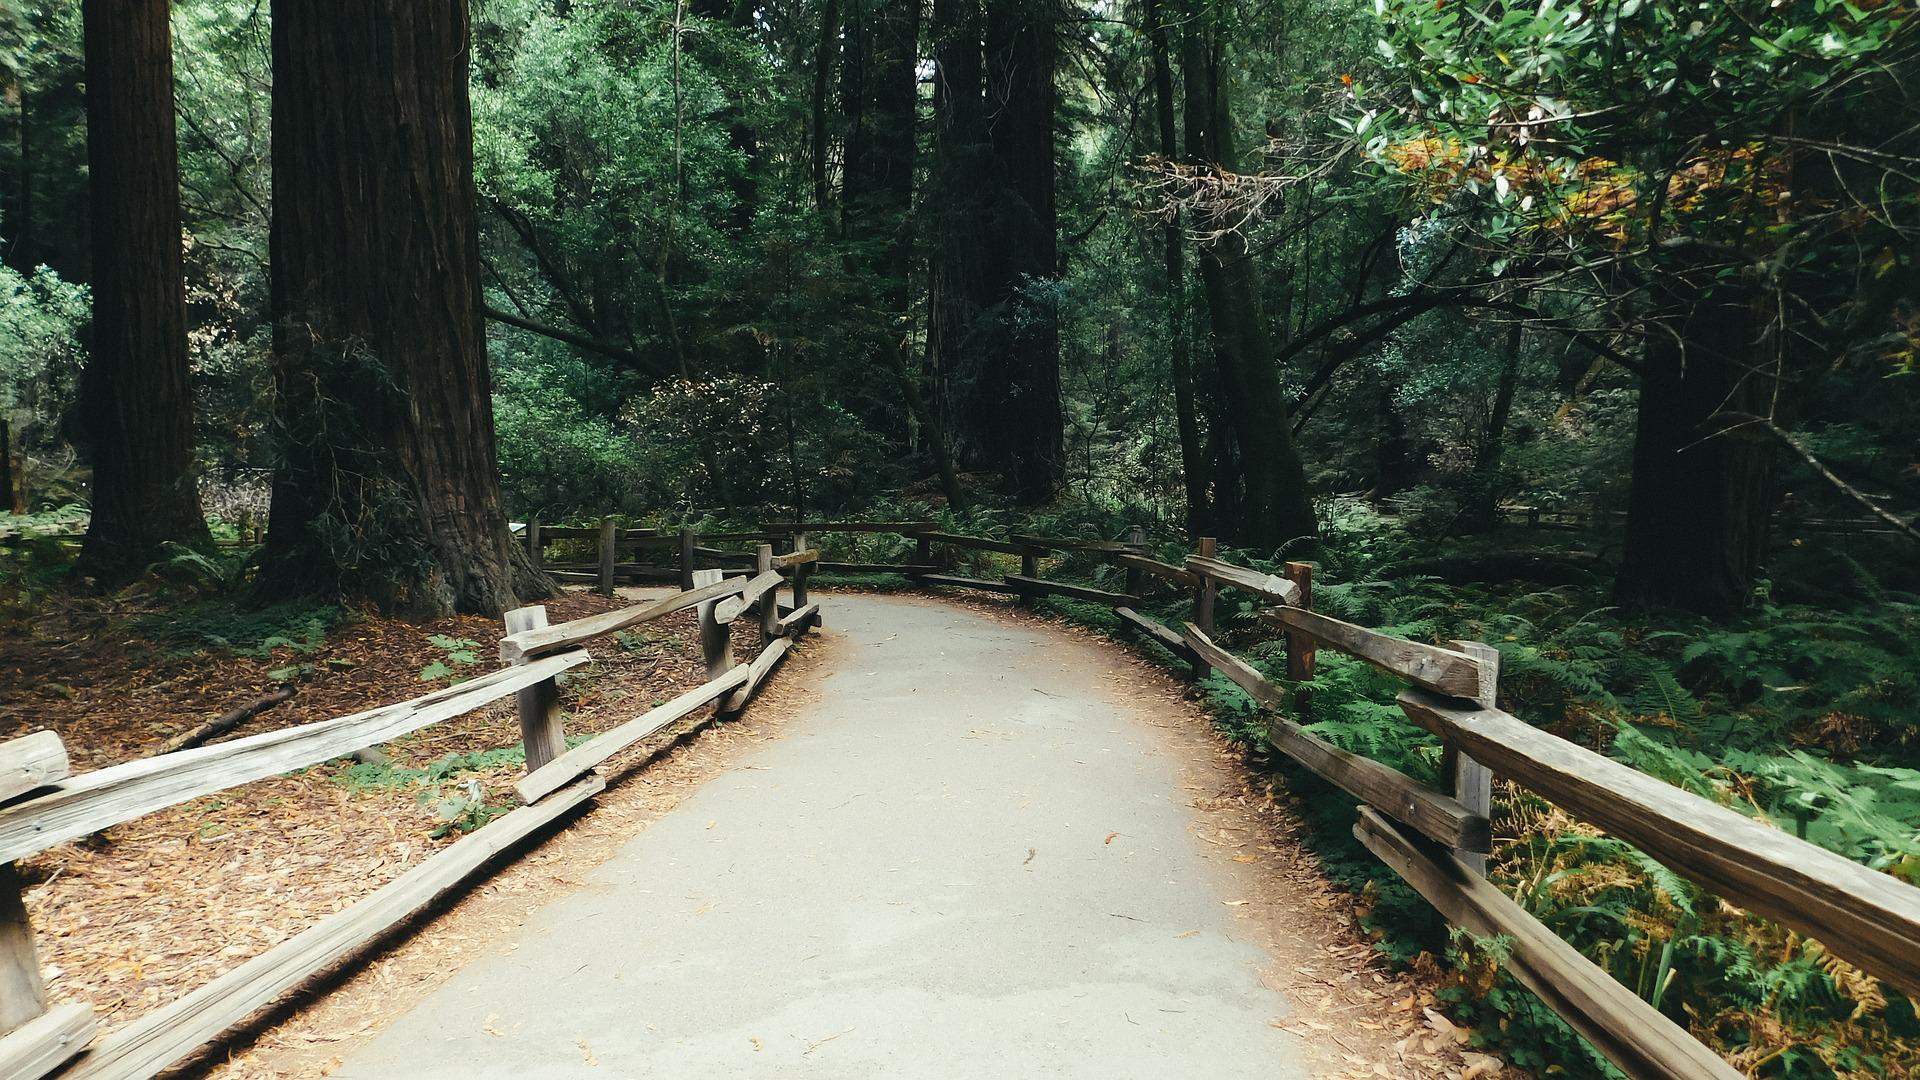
{"x": 134, "y": 917}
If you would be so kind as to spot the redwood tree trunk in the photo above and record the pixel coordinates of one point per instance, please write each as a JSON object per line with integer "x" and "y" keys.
{"x": 1193, "y": 464}
{"x": 826, "y": 49}
{"x": 1483, "y": 506}
{"x": 13, "y": 486}
{"x": 137, "y": 390}
{"x": 388, "y": 487}
{"x": 1702, "y": 488}
{"x": 880, "y": 83}
{"x": 1275, "y": 507}
{"x": 1016, "y": 410}
{"x": 957, "y": 215}
{"x": 883, "y": 86}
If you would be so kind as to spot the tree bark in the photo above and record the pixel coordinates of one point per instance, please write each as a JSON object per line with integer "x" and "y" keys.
{"x": 882, "y": 84}
{"x": 929, "y": 421}
{"x": 1275, "y": 507}
{"x": 880, "y": 87}
{"x": 1193, "y": 466}
{"x": 823, "y": 58}
{"x": 1483, "y": 506}
{"x": 1016, "y": 409}
{"x": 137, "y": 393}
{"x": 742, "y": 136}
{"x": 12, "y": 481}
{"x": 387, "y": 487}
{"x": 1702, "y": 487}
{"x": 1393, "y": 454}
{"x": 957, "y": 270}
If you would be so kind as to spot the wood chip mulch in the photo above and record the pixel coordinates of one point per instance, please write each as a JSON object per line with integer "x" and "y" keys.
{"x": 132, "y": 918}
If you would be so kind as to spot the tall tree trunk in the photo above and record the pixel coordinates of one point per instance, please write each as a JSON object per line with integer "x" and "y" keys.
{"x": 883, "y": 85}
{"x": 388, "y": 487}
{"x": 930, "y": 423}
{"x": 956, "y": 209}
{"x": 742, "y": 137}
{"x": 1193, "y": 465}
{"x": 880, "y": 84}
{"x": 1393, "y": 457}
{"x": 823, "y": 58}
{"x": 1276, "y": 508}
{"x": 1016, "y": 409}
{"x": 1223, "y": 466}
{"x": 1483, "y": 507}
{"x": 138, "y": 392}
{"x": 13, "y": 486}
{"x": 1702, "y": 488}
{"x": 16, "y": 204}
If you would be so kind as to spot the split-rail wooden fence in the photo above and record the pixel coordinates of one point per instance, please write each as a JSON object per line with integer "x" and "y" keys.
{"x": 41, "y": 805}
{"x": 1438, "y": 840}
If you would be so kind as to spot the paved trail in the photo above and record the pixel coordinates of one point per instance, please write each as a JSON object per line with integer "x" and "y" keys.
{"x": 916, "y": 881}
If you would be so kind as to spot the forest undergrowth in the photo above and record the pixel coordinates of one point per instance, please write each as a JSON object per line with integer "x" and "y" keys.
{"x": 135, "y": 916}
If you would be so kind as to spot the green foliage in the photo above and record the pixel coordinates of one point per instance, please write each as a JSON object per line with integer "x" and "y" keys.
{"x": 460, "y": 652}
{"x": 448, "y": 788}
{"x": 559, "y": 448}
{"x": 251, "y": 632}
{"x": 42, "y": 318}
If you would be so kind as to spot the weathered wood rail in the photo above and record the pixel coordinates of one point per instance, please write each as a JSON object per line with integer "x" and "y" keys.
{"x": 1438, "y": 839}
{"x": 42, "y": 805}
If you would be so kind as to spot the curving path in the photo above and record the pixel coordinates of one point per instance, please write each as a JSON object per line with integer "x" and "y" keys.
{"x": 917, "y": 880}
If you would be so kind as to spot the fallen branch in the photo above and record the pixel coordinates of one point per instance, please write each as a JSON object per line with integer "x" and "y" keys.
{"x": 230, "y": 719}
{"x": 1906, "y": 528}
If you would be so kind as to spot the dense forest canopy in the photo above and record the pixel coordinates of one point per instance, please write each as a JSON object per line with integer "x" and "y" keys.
{"x": 1219, "y": 260}
{"x": 1593, "y": 324}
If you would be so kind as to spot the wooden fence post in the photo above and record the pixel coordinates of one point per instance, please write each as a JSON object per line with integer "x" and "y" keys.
{"x": 770, "y": 603}
{"x": 1029, "y": 567}
{"x": 1300, "y": 647}
{"x": 687, "y": 541}
{"x": 609, "y": 546}
{"x": 922, "y": 550}
{"x": 23, "y": 995}
{"x": 1136, "y": 577}
{"x": 716, "y": 638}
{"x": 1472, "y": 781}
{"x": 800, "y": 573}
{"x": 542, "y": 729}
{"x": 536, "y": 551}
{"x": 1205, "y": 592}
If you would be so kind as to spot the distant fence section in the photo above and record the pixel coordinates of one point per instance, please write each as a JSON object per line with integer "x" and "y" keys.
{"x": 41, "y": 805}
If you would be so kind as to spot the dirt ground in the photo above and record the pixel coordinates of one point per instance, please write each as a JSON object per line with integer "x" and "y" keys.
{"x": 134, "y": 917}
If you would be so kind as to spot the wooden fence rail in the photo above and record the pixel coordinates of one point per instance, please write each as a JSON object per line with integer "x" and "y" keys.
{"x": 41, "y": 805}
{"x": 1438, "y": 839}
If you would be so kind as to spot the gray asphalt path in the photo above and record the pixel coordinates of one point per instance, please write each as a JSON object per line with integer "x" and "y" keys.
{"x": 916, "y": 880}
